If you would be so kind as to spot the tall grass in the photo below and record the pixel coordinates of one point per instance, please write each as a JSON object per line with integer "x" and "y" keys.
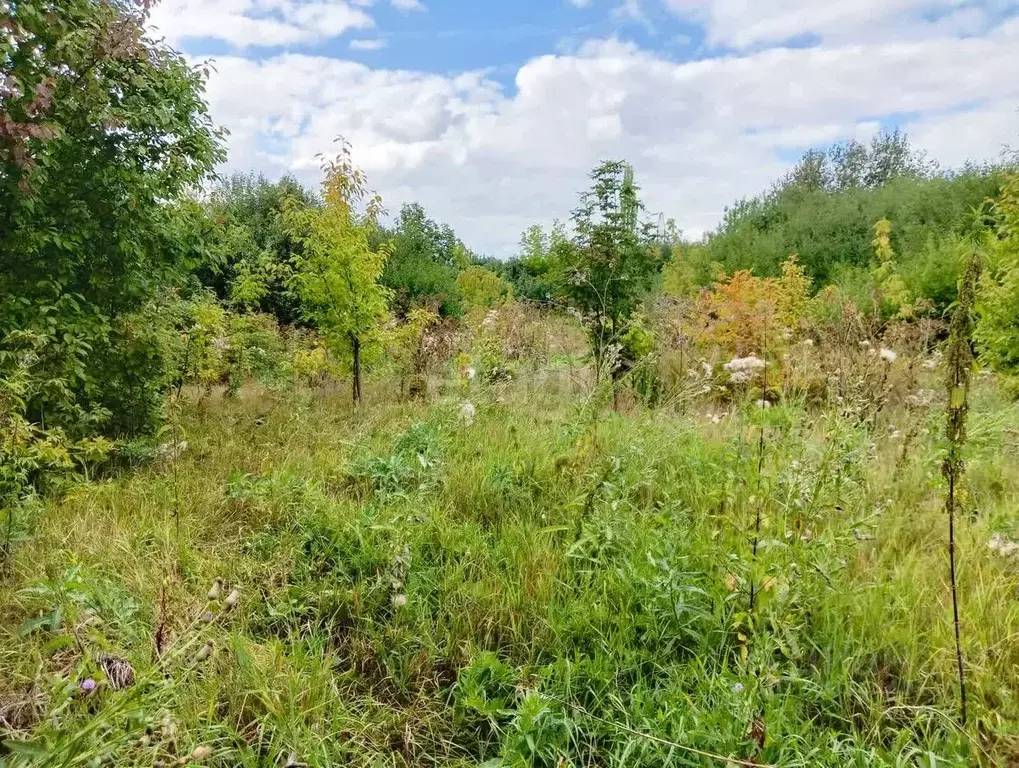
{"x": 537, "y": 587}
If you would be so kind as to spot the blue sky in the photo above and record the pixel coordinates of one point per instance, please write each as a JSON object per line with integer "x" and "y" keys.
{"x": 490, "y": 113}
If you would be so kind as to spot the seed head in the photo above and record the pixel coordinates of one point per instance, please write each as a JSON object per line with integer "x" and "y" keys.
{"x": 217, "y": 589}
{"x": 232, "y": 599}
{"x": 204, "y": 752}
{"x": 204, "y": 652}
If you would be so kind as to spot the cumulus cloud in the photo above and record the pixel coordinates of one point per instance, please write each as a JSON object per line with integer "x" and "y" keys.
{"x": 492, "y": 160}
{"x": 265, "y": 23}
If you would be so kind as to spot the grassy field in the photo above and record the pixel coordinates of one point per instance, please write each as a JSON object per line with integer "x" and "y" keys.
{"x": 525, "y": 580}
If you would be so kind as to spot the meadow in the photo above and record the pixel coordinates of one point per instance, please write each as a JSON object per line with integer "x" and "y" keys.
{"x": 515, "y": 573}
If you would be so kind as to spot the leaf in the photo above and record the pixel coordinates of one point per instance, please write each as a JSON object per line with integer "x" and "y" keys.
{"x": 31, "y": 625}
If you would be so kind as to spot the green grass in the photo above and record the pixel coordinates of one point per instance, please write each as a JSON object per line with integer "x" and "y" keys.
{"x": 536, "y": 588}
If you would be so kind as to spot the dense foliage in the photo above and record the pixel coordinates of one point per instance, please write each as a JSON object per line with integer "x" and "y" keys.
{"x": 824, "y": 212}
{"x": 100, "y": 129}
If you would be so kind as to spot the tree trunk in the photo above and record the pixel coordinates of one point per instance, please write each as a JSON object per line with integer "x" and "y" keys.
{"x": 356, "y": 345}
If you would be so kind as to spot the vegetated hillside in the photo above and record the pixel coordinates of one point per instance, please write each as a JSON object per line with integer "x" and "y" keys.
{"x": 284, "y": 484}
{"x": 824, "y": 211}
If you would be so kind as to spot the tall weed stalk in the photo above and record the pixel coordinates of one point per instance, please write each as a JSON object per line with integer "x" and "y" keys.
{"x": 959, "y": 365}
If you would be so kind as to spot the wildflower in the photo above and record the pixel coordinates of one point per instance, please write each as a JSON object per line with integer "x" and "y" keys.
{"x": 864, "y": 344}
{"x": 737, "y": 688}
{"x": 808, "y": 342}
{"x": 467, "y": 413}
{"x": 88, "y": 686}
{"x": 217, "y": 589}
{"x": 232, "y": 599}
{"x": 399, "y": 601}
{"x": 708, "y": 368}
{"x": 472, "y": 373}
{"x": 763, "y": 404}
{"x": 208, "y": 616}
{"x": 887, "y": 355}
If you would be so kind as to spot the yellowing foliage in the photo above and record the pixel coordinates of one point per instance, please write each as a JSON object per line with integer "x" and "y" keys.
{"x": 745, "y": 314}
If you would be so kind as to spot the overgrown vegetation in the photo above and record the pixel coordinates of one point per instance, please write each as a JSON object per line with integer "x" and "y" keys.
{"x": 287, "y": 483}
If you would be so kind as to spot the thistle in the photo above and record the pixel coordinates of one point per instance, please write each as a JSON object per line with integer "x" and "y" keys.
{"x": 959, "y": 364}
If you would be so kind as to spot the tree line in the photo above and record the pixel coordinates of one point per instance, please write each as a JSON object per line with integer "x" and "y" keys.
{"x": 108, "y": 239}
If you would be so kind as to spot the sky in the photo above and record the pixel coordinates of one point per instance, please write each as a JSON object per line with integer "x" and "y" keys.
{"x": 491, "y": 113}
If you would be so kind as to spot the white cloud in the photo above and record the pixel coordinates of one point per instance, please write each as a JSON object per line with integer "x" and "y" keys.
{"x": 700, "y": 134}
{"x": 367, "y": 45}
{"x": 246, "y": 23}
{"x": 408, "y": 5}
{"x": 742, "y": 24}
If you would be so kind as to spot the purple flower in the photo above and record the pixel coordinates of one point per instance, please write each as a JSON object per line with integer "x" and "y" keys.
{"x": 88, "y": 685}
{"x": 738, "y": 688}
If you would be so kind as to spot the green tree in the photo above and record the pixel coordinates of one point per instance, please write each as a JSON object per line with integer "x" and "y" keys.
{"x": 482, "y": 288}
{"x": 254, "y": 248}
{"x": 337, "y": 269}
{"x": 424, "y": 263}
{"x": 612, "y": 264}
{"x": 101, "y": 130}
{"x": 533, "y": 272}
{"x": 825, "y": 208}
{"x": 997, "y": 329}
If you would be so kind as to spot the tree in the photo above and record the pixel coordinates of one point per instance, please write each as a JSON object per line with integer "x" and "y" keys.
{"x": 337, "y": 270}
{"x": 482, "y": 288}
{"x": 612, "y": 264}
{"x": 254, "y": 247}
{"x": 997, "y": 329}
{"x": 424, "y": 263}
{"x": 101, "y": 130}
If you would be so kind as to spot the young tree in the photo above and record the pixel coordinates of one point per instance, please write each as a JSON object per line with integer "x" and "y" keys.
{"x": 101, "y": 128}
{"x": 337, "y": 271}
{"x": 612, "y": 263}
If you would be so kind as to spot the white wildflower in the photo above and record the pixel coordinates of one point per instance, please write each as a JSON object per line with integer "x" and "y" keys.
{"x": 472, "y": 373}
{"x": 808, "y": 342}
{"x": 742, "y": 369}
{"x": 399, "y": 601}
{"x": 887, "y": 355}
{"x": 467, "y": 413}
{"x": 763, "y": 404}
{"x": 708, "y": 368}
